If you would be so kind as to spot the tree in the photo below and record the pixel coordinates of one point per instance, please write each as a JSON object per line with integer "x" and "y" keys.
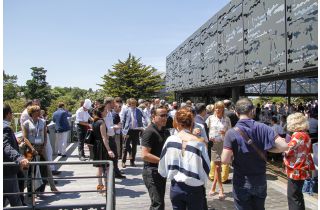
{"x": 10, "y": 87}
{"x": 37, "y": 87}
{"x": 131, "y": 78}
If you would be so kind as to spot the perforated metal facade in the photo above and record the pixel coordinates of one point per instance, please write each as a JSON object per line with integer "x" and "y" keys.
{"x": 248, "y": 40}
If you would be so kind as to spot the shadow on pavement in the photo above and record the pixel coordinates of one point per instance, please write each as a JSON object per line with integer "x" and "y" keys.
{"x": 127, "y": 192}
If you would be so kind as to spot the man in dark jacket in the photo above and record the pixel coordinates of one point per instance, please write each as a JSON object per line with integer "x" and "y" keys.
{"x": 60, "y": 118}
{"x": 11, "y": 154}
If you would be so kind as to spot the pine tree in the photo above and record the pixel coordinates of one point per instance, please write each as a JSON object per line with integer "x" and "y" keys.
{"x": 38, "y": 88}
{"x": 10, "y": 87}
{"x": 131, "y": 78}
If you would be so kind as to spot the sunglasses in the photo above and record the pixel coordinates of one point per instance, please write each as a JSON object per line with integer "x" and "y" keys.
{"x": 163, "y": 115}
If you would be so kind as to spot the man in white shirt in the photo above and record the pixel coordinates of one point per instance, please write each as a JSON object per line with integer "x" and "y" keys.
{"x": 82, "y": 118}
{"x": 111, "y": 128}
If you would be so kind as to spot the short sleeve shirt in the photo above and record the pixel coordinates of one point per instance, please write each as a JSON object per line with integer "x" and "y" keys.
{"x": 249, "y": 168}
{"x": 81, "y": 115}
{"x": 154, "y": 138}
{"x": 35, "y": 130}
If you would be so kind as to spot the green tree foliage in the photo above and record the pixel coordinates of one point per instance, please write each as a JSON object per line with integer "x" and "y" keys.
{"x": 37, "y": 87}
{"x": 131, "y": 78}
{"x": 10, "y": 87}
{"x": 71, "y": 104}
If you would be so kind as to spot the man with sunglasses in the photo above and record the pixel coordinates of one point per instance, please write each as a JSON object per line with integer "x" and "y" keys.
{"x": 153, "y": 139}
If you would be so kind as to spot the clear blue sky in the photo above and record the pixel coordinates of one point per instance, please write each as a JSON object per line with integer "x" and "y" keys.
{"x": 77, "y": 41}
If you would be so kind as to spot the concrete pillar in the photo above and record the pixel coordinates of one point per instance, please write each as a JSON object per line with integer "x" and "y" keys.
{"x": 235, "y": 94}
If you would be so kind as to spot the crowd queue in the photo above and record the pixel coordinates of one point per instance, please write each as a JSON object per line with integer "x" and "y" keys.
{"x": 185, "y": 143}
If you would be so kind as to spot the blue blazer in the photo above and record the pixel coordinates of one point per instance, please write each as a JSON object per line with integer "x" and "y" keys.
{"x": 126, "y": 121}
{"x": 60, "y": 118}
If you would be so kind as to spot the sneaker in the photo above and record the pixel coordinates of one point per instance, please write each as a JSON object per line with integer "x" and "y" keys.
{"x": 82, "y": 158}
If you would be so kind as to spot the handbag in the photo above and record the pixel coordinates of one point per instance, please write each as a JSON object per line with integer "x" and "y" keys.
{"x": 89, "y": 138}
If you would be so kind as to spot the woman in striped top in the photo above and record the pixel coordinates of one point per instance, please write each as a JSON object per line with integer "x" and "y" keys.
{"x": 184, "y": 160}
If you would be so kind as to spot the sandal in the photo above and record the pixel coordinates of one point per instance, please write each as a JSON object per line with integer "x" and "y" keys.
{"x": 211, "y": 193}
{"x": 221, "y": 196}
{"x": 100, "y": 187}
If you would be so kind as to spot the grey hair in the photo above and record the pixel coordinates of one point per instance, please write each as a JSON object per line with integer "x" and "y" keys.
{"x": 244, "y": 106}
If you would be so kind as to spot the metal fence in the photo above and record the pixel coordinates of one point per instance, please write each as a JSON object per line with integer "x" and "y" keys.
{"x": 110, "y": 193}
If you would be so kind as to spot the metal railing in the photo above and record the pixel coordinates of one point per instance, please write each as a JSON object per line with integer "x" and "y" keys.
{"x": 110, "y": 192}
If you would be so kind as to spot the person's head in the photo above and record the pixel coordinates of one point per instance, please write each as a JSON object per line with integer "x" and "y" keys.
{"x": 183, "y": 119}
{"x": 61, "y": 105}
{"x": 201, "y": 109}
{"x": 175, "y": 105}
{"x": 297, "y": 122}
{"x": 36, "y": 102}
{"x": 209, "y": 108}
{"x": 118, "y": 100}
{"x": 140, "y": 101}
{"x": 159, "y": 115}
{"x": 117, "y": 107}
{"x": 96, "y": 103}
{"x": 227, "y": 103}
{"x": 28, "y": 103}
{"x": 189, "y": 103}
{"x": 99, "y": 112}
{"x": 86, "y": 105}
{"x": 7, "y": 113}
{"x": 157, "y": 101}
{"x": 244, "y": 106}
{"x": 274, "y": 120}
{"x": 219, "y": 109}
{"x": 109, "y": 102}
{"x": 132, "y": 103}
{"x": 34, "y": 111}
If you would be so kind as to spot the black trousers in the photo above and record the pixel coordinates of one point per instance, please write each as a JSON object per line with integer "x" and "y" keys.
{"x": 130, "y": 145}
{"x": 81, "y": 133}
{"x": 113, "y": 147}
{"x": 295, "y": 195}
{"x": 156, "y": 186}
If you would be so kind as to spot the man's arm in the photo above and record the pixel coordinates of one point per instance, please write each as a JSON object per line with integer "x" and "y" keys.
{"x": 147, "y": 156}
{"x": 226, "y": 156}
{"x": 280, "y": 145}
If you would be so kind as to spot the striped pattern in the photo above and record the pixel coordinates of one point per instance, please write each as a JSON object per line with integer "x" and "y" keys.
{"x": 192, "y": 168}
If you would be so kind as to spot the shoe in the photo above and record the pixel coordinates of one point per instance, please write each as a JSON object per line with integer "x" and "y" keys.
{"x": 59, "y": 154}
{"x": 228, "y": 181}
{"x": 56, "y": 172}
{"x": 221, "y": 196}
{"x": 82, "y": 158}
{"x": 63, "y": 155}
{"x": 55, "y": 182}
{"x": 123, "y": 165}
{"x": 100, "y": 187}
{"x": 132, "y": 164}
{"x": 119, "y": 176}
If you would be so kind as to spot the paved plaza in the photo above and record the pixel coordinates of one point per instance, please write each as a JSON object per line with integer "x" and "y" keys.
{"x": 131, "y": 192}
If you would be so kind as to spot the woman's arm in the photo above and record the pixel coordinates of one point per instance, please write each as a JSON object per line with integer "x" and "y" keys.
{"x": 105, "y": 139}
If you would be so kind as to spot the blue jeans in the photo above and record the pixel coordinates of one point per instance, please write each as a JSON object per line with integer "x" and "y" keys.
{"x": 249, "y": 197}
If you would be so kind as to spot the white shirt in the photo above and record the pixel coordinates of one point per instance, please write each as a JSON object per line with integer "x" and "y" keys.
{"x": 192, "y": 168}
{"x": 24, "y": 117}
{"x": 109, "y": 124}
{"x": 215, "y": 125}
{"x": 82, "y": 116}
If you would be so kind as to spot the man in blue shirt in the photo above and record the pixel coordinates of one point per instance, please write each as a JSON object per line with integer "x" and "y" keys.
{"x": 60, "y": 118}
{"x": 249, "y": 177}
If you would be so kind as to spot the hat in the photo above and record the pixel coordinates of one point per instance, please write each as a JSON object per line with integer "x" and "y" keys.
{"x": 87, "y": 104}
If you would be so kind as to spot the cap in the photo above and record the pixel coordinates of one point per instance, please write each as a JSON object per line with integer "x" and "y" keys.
{"x": 87, "y": 104}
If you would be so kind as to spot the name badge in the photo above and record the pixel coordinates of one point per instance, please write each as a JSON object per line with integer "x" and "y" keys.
{"x": 38, "y": 140}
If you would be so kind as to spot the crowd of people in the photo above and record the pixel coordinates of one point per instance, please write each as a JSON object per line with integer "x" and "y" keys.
{"x": 185, "y": 143}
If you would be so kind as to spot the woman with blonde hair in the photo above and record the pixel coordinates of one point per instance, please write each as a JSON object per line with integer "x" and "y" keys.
{"x": 218, "y": 125}
{"x": 298, "y": 161}
{"x": 184, "y": 160}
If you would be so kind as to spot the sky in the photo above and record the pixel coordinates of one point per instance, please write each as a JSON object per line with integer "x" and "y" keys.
{"x": 77, "y": 41}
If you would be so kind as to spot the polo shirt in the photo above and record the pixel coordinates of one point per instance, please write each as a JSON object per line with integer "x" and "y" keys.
{"x": 154, "y": 138}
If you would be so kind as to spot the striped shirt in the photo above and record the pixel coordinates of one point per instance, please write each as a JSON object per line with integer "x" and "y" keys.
{"x": 192, "y": 168}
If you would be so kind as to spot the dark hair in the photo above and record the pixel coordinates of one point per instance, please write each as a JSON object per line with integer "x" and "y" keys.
{"x": 274, "y": 119}
{"x": 184, "y": 117}
{"x": 200, "y": 107}
{"x": 153, "y": 111}
{"x": 28, "y": 103}
{"x": 117, "y": 100}
{"x": 60, "y": 104}
{"x": 6, "y": 110}
{"x": 244, "y": 106}
{"x": 97, "y": 112}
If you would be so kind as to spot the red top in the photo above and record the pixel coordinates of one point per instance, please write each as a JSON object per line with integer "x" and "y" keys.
{"x": 297, "y": 159}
